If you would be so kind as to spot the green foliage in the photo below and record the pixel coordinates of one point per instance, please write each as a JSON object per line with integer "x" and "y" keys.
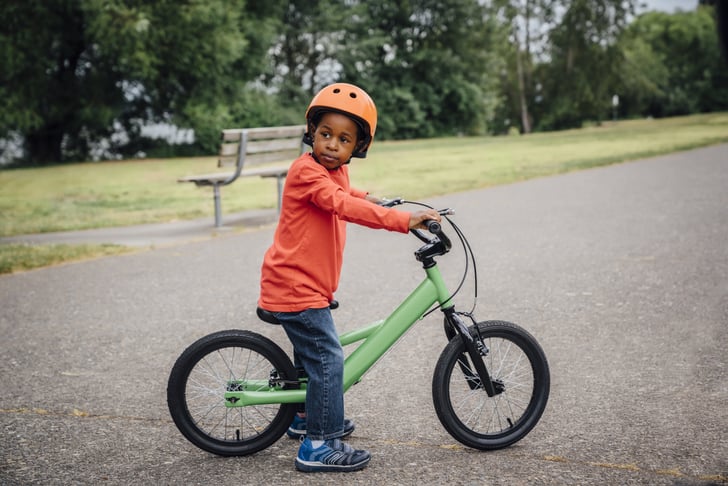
{"x": 80, "y": 71}
{"x": 426, "y": 63}
{"x": 584, "y": 63}
{"x": 80, "y": 79}
{"x": 673, "y": 64}
{"x": 308, "y": 44}
{"x": 48, "y": 86}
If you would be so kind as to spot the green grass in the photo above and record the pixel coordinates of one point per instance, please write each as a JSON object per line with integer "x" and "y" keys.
{"x": 18, "y": 257}
{"x": 119, "y": 193}
{"x": 431, "y": 167}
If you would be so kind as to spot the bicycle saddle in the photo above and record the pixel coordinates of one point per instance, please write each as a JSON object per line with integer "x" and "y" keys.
{"x": 270, "y": 318}
{"x": 266, "y": 316}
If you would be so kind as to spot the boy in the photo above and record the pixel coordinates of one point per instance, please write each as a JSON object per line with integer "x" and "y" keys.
{"x": 301, "y": 269}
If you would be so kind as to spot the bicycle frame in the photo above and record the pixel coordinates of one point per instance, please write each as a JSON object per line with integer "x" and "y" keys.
{"x": 377, "y": 338}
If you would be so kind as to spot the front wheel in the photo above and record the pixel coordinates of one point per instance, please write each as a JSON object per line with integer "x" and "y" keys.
{"x": 520, "y": 375}
{"x": 228, "y": 361}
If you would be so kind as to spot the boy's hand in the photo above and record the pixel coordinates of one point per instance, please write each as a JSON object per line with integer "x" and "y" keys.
{"x": 373, "y": 199}
{"x": 417, "y": 217}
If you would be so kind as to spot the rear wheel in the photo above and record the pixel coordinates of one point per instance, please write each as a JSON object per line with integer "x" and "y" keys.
{"x": 520, "y": 374}
{"x": 221, "y": 362}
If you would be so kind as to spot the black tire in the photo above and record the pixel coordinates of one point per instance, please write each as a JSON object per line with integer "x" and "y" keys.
{"x": 200, "y": 378}
{"x": 514, "y": 360}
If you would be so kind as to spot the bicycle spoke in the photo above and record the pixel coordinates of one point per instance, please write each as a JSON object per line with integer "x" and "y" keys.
{"x": 206, "y": 387}
{"x": 510, "y": 368}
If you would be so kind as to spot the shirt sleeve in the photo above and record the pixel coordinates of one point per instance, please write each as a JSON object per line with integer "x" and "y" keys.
{"x": 350, "y": 206}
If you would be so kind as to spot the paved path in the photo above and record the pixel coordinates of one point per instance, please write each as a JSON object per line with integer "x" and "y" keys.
{"x": 155, "y": 235}
{"x": 620, "y": 272}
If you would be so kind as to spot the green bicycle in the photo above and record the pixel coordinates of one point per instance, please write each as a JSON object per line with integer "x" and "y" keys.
{"x": 235, "y": 392}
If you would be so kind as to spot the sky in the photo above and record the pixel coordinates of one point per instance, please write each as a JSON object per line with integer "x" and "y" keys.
{"x": 669, "y": 5}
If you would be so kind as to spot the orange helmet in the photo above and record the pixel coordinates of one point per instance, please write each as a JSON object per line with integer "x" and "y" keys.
{"x": 349, "y": 100}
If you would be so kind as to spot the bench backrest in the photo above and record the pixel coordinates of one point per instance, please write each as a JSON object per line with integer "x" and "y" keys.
{"x": 253, "y": 146}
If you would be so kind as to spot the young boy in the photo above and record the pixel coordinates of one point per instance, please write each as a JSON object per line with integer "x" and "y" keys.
{"x": 301, "y": 269}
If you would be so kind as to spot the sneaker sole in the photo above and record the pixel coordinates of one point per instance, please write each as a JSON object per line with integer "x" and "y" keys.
{"x": 295, "y": 433}
{"x": 306, "y": 466}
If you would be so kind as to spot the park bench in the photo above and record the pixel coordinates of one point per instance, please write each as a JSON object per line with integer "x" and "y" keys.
{"x": 250, "y": 151}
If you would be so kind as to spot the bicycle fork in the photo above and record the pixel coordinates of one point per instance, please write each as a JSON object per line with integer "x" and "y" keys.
{"x": 476, "y": 350}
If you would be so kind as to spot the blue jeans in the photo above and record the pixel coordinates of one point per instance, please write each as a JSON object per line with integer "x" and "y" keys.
{"x": 317, "y": 349}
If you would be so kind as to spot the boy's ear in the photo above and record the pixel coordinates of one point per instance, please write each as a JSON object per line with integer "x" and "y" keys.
{"x": 308, "y": 136}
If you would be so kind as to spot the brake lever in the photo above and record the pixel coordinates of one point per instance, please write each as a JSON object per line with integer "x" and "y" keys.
{"x": 389, "y": 203}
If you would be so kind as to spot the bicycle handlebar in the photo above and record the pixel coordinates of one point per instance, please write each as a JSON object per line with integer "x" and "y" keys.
{"x": 433, "y": 246}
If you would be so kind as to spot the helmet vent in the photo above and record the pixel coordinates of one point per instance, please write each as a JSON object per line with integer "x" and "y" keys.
{"x": 351, "y": 95}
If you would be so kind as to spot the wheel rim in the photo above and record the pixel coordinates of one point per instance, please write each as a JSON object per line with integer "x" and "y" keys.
{"x": 493, "y": 417}
{"x": 219, "y": 371}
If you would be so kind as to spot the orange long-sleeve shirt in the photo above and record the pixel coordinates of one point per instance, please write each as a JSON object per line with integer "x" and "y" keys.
{"x": 301, "y": 269}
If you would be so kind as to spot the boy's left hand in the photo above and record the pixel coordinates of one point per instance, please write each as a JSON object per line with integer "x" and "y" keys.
{"x": 373, "y": 199}
{"x": 418, "y": 217}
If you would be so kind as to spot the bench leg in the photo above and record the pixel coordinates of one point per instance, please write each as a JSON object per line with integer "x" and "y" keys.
{"x": 218, "y": 209}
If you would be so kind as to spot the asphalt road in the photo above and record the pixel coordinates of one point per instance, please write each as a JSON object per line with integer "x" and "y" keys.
{"x": 620, "y": 272}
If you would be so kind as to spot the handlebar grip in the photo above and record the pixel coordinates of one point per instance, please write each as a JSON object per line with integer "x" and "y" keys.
{"x": 433, "y": 226}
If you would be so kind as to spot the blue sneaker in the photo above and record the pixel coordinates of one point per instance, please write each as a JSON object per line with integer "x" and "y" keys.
{"x": 333, "y": 456}
{"x": 297, "y": 428}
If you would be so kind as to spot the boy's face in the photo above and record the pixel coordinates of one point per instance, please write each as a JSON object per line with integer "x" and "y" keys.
{"x": 334, "y": 140}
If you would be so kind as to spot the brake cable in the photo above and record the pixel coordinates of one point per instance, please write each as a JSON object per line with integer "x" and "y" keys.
{"x": 469, "y": 256}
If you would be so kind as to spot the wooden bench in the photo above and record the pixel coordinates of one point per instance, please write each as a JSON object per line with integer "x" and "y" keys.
{"x": 246, "y": 148}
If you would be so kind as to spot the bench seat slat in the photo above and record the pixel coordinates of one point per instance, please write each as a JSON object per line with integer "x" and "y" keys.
{"x": 265, "y": 172}
{"x": 261, "y": 146}
{"x": 207, "y": 179}
{"x": 258, "y": 159}
{"x": 233, "y": 134}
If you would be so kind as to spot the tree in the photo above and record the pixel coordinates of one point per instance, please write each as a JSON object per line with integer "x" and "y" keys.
{"x": 79, "y": 72}
{"x": 584, "y": 62}
{"x": 309, "y": 41}
{"x": 427, "y": 64}
{"x": 673, "y": 64}
{"x": 526, "y": 24}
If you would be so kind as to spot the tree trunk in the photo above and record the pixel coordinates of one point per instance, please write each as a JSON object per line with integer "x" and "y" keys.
{"x": 43, "y": 146}
{"x": 525, "y": 118}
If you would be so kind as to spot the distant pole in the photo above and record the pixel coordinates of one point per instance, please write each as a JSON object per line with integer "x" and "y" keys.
{"x": 615, "y": 104}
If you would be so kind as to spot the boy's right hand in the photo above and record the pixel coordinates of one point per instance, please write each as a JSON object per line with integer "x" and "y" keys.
{"x": 418, "y": 217}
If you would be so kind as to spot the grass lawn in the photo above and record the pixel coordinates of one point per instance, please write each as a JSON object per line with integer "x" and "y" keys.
{"x": 17, "y": 257}
{"x": 118, "y": 193}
